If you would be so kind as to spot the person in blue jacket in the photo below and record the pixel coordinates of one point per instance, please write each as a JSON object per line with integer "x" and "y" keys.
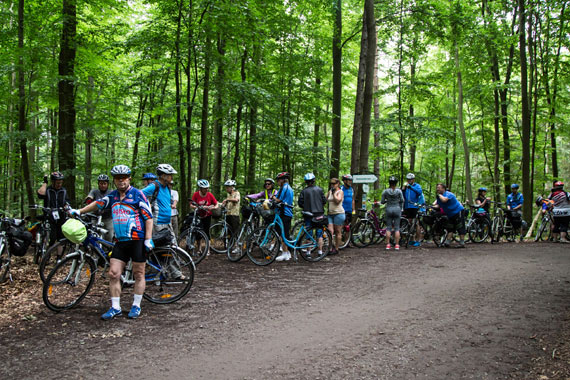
{"x": 285, "y": 195}
{"x": 454, "y": 211}
{"x": 413, "y": 194}
{"x": 514, "y": 205}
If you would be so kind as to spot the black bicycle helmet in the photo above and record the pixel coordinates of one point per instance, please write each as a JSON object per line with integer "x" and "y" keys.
{"x": 392, "y": 180}
{"x": 56, "y": 176}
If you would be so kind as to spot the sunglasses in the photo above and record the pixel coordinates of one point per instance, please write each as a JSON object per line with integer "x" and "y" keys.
{"x": 268, "y": 184}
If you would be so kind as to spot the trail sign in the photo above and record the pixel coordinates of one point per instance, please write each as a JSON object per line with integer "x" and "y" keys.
{"x": 364, "y": 178}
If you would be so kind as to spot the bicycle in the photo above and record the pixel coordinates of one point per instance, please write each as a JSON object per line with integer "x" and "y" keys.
{"x": 264, "y": 242}
{"x": 478, "y": 226}
{"x": 11, "y": 243}
{"x": 501, "y": 224}
{"x": 371, "y": 230}
{"x": 72, "y": 278}
{"x": 239, "y": 248}
{"x": 345, "y": 236}
{"x": 544, "y": 231}
{"x": 221, "y": 234}
{"x": 192, "y": 235}
{"x": 43, "y": 229}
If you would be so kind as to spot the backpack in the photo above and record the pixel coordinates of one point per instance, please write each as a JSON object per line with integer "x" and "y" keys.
{"x": 154, "y": 195}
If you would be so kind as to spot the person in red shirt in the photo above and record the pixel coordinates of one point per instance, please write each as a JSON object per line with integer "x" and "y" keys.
{"x": 204, "y": 198}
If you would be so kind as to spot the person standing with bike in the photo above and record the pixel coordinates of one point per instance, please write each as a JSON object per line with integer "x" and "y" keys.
{"x": 98, "y": 193}
{"x": 132, "y": 221}
{"x": 204, "y": 198}
{"x": 231, "y": 203}
{"x": 484, "y": 202}
{"x": 514, "y": 206}
{"x": 268, "y": 191}
{"x": 561, "y": 211}
{"x": 285, "y": 195}
{"x": 54, "y": 197}
{"x": 453, "y": 209}
{"x": 413, "y": 195}
{"x": 394, "y": 200}
{"x": 160, "y": 199}
{"x": 348, "y": 204}
{"x": 312, "y": 199}
{"x": 337, "y": 216}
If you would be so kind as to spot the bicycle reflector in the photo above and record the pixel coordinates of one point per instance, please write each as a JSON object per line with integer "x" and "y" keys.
{"x": 74, "y": 231}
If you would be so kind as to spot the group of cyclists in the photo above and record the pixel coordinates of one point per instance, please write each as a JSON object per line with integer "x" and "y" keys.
{"x": 131, "y": 216}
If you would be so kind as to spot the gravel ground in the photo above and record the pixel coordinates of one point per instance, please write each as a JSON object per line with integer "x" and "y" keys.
{"x": 497, "y": 311}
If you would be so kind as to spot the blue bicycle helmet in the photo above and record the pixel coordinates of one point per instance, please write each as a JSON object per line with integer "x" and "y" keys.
{"x": 515, "y": 186}
{"x": 150, "y": 176}
{"x": 482, "y": 189}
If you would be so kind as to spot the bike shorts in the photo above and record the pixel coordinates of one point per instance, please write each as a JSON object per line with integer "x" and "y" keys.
{"x": 392, "y": 218}
{"x": 561, "y": 224}
{"x": 410, "y": 213}
{"x": 130, "y": 249}
{"x": 457, "y": 223}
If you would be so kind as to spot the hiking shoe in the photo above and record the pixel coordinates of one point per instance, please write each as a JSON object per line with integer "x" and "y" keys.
{"x": 333, "y": 251}
{"x": 416, "y": 244}
{"x": 111, "y": 313}
{"x": 412, "y": 243}
{"x": 397, "y": 247}
{"x": 388, "y": 247}
{"x": 285, "y": 256}
{"x": 135, "y": 312}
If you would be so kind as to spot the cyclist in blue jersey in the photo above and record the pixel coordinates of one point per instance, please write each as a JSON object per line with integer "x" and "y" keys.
{"x": 285, "y": 195}
{"x": 348, "y": 203}
{"x": 454, "y": 211}
{"x": 160, "y": 198}
{"x": 514, "y": 205}
{"x": 413, "y": 194}
{"x": 132, "y": 221}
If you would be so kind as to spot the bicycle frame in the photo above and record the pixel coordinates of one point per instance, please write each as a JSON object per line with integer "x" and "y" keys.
{"x": 289, "y": 243}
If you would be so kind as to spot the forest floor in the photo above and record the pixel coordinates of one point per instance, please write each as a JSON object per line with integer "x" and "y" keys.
{"x": 485, "y": 312}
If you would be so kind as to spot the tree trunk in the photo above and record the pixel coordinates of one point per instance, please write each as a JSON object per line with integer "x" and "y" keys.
{"x": 252, "y": 146}
{"x": 317, "y": 124}
{"x": 177, "y": 74}
{"x": 462, "y": 127}
{"x": 357, "y": 125}
{"x": 527, "y": 190}
{"x": 203, "y": 172}
{"x": 218, "y": 122}
{"x": 337, "y": 89}
{"x": 239, "y": 116}
{"x": 376, "y": 119}
{"x": 66, "y": 89}
{"x": 89, "y": 136}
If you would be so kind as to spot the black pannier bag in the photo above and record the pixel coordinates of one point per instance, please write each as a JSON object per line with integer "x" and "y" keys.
{"x": 19, "y": 240}
{"x": 319, "y": 221}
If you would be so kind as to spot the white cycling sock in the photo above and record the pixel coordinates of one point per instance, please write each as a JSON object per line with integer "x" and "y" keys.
{"x": 116, "y": 303}
{"x": 137, "y": 300}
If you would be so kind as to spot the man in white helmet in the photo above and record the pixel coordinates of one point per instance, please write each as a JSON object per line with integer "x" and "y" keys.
{"x": 160, "y": 199}
{"x": 413, "y": 195}
{"x": 232, "y": 204}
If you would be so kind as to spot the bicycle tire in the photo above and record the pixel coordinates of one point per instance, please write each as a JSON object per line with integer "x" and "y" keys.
{"x": 495, "y": 230}
{"x": 346, "y": 235}
{"x": 509, "y": 231}
{"x": 404, "y": 232}
{"x": 540, "y": 230}
{"x": 363, "y": 234}
{"x": 479, "y": 230}
{"x": 169, "y": 275}
{"x": 52, "y": 257}
{"x": 311, "y": 253}
{"x": 239, "y": 248}
{"x": 263, "y": 246}
{"x": 69, "y": 282}
{"x": 41, "y": 248}
{"x": 379, "y": 237}
{"x": 5, "y": 260}
{"x": 220, "y": 237}
{"x": 190, "y": 241}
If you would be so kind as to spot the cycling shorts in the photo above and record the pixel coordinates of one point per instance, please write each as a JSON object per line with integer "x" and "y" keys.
{"x": 129, "y": 249}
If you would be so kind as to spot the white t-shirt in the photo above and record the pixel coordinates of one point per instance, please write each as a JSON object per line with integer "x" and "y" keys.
{"x": 173, "y": 198}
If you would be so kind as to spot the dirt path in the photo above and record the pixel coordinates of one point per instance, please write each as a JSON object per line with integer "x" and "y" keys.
{"x": 478, "y": 313}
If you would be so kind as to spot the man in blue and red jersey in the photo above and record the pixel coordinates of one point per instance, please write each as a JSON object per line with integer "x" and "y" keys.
{"x": 132, "y": 221}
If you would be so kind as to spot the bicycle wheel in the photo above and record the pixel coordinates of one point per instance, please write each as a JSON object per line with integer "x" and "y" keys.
{"x": 263, "y": 246}
{"x": 69, "y": 282}
{"x": 220, "y": 237}
{"x": 509, "y": 231}
{"x": 296, "y": 228}
{"x": 363, "y": 233}
{"x": 169, "y": 274}
{"x": 495, "y": 229}
{"x": 195, "y": 242}
{"x": 346, "y": 234}
{"x": 404, "y": 231}
{"x": 239, "y": 248}
{"x": 5, "y": 259}
{"x": 479, "y": 230}
{"x": 54, "y": 255}
{"x": 311, "y": 240}
{"x": 543, "y": 224}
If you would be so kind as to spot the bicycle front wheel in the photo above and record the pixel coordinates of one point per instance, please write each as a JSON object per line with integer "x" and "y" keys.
{"x": 262, "y": 246}
{"x": 169, "y": 274}
{"x": 346, "y": 234}
{"x": 495, "y": 229}
{"x": 220, "y": 237}
{"x": 195, "y": 242}
{"x": 479, "y": 230}
{"x": 363, "y": 234}
{"x": 54, "y": 255}
{"x": 541, "y": 229}
{"x": 5, "y": 259}
{"x": 318, "y": 242}
{"x": 69, "y": 282}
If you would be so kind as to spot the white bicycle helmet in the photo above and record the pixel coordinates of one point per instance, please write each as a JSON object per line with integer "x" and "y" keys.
{"x": 103, "y": 177}
{"x": 309, "y": 177}
{"x": 230, "y": 182}
{"x": 410, "y": 176}
{"x": 120, "y": 170}
{"x": 203, "y": 183}
{"x": 165, "y": 169}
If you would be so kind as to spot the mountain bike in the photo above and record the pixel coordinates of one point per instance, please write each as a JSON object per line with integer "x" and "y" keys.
{"x": 264, "y": 242}
{"x": 431, "y": 223}
{"x": 72, "y": 278}
{"x": 43, "y": 229}
{"x": 192, "y": 236}
{"x": 544, "y": 231}
{"x": 478, "y": 226}
{"x": 501, "y": 224}
{"x": 221, "y": 234}
{"x": 239, "y": 248}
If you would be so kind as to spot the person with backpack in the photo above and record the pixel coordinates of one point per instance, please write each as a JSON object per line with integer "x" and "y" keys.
{"x": 561, "y": 211}
{"x": 514, "y": 205}
{"x": 312, "y": 199}
{"x": 54, "y": 197}
{"x": 285, "y": 196}
{"x": 98, "y": 193}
